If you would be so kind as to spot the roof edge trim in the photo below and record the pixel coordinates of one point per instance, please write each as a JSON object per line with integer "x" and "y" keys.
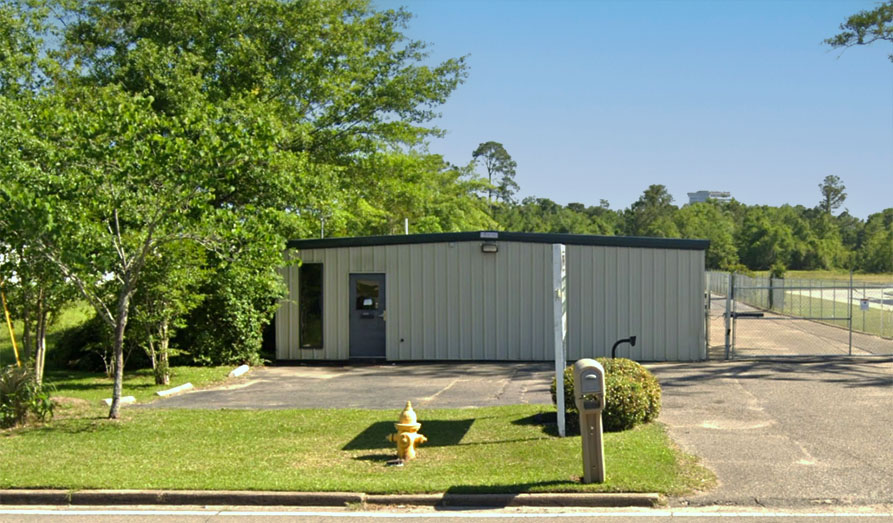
{"x": 524, "y": 237}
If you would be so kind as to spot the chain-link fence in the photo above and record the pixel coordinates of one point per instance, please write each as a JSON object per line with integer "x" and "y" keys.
{"x": 718, "y": 328}
{"x": 792, "y": 316}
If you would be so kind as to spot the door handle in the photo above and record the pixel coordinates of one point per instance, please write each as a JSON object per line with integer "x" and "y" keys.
{"x": 383, "y": 316}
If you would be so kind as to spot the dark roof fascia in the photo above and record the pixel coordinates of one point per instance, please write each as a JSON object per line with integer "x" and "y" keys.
{"x": 525, "y": 237}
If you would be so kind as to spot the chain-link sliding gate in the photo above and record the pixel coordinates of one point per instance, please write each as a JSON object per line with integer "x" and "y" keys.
{"x": 762, "y": 317}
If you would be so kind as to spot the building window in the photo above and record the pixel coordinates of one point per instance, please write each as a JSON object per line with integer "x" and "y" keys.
{"x": 310, "y": 305}
{"x": 367, "y": 295}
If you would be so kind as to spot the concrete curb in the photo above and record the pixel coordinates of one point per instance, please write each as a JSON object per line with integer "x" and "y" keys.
{"x": 317, "y": 499}
{"x": 519, "y": 500}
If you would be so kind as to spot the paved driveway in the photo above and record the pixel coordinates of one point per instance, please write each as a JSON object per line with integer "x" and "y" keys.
{"x": 785, "y": 433}
{"x": 389, "y": 386}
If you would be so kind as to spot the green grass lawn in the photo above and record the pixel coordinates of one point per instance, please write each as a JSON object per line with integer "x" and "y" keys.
{"x": 139, "y": 383}
{"x": 72, "y": 316}
{"x": 838, "y": 275}
{"x": 493, "y": 449}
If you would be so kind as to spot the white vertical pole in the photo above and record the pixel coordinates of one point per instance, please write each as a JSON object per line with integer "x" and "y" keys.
{"x": 849, "y": 305}
{"x": 559, "y": 318}
{"x": 405, "y": 225}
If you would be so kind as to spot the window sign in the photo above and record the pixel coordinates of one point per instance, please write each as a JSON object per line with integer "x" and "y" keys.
{"x": 367, "y": 295}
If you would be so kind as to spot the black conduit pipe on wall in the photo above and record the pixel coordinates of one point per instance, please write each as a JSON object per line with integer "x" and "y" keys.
{"x": 632, "y": 343}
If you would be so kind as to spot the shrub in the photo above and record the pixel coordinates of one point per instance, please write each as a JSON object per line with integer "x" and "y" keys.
{"x": 228, "y": 327}
{"x": 87, "y": 346}
{"x": 633, "y": 396}
{"x": 21, "y": 395}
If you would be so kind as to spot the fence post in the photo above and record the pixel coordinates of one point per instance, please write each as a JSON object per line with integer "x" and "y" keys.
{"x": 734, "y": 313}
{"x": 728, "y": 314}
{"x": 707, "y": 303}
{"x": 811, "y": 297}
{"x": 834, "y": 301}
{"x": 864, "y": 297}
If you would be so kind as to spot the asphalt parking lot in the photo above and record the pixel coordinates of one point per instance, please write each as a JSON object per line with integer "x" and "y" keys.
{"x": 384, "y": 386}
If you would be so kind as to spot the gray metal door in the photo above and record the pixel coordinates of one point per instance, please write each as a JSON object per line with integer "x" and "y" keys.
{"x": 367, "y": 316}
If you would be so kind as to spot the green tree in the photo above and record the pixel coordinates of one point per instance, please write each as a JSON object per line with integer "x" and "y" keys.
{"x": 876, "y": 253}
{"x": 432, "y": 194}
{"x": 340, "y": 77}
{"x": 241, "y": 293}
{"x": 96, "y": 181}
{"x": 280, "y": 104}
{"x": 705, "y": 220}
{"x": 850, "y": 228}
{"x": 22, "y": 30}
{"x": 497, "y": 161}
{"x": 826, "y": 241}
{"x": 544, "y": 215}
{"x": 763, "y": 239}
{"x": 866, "y": 27}
{"x": 36, "y": 294}
{"x": 37, "y": 291}
{"x": 169, "y": 290}
{"x": 652, "y": 214}
{"x": 809, "y": 248}
{"x": 833, "y": 194}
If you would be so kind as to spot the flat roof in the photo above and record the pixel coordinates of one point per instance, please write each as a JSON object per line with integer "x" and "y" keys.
{"x": 526, "y": 237}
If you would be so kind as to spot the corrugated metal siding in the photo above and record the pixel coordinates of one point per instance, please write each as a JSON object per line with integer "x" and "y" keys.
{"x": 445, "y": 301}
{"x": 654, "y": 294}
{"x": 450, "y": 301}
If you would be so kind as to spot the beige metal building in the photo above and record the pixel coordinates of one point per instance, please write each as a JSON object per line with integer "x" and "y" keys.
{"x": 489, "y": 296}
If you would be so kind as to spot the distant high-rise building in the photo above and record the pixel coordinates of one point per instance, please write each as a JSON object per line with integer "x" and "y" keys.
{"x": 702, "y": 196}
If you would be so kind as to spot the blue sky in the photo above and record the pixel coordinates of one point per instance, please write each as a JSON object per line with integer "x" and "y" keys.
{"x": 599, "y": 99}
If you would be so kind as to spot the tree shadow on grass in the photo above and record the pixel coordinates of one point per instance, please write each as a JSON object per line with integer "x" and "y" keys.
{"x": 440, "y": 433}
{"x": 80, "y": 425}
{"x": 547, "y": 421}
{"x": 93, "y": 381}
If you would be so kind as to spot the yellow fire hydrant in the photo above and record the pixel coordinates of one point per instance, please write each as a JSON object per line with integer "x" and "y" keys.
{"x": 407, "y": 436}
